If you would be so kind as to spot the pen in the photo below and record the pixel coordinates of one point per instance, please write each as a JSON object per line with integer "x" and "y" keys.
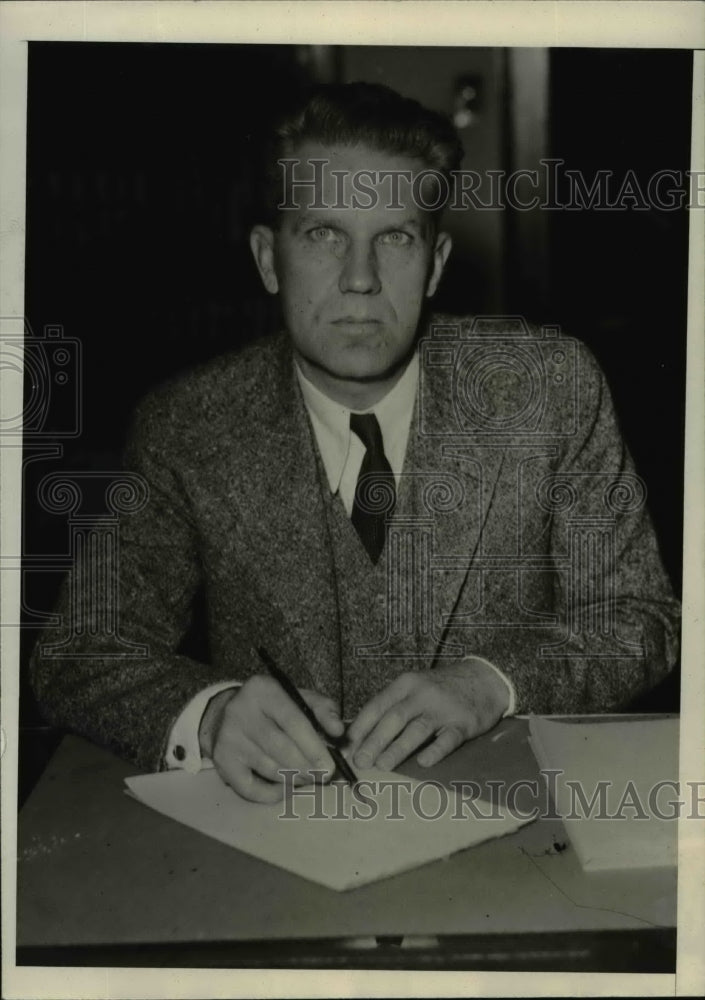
{"x": 280, "y": 677}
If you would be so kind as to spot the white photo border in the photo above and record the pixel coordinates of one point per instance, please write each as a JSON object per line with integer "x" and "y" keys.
{"x": 602, "y": 23}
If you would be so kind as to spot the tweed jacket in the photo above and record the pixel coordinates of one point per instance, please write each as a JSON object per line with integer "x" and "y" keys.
{"x": 531, "y": 543}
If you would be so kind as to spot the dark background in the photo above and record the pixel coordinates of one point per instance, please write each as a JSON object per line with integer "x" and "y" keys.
{"x": 141, "y": 161}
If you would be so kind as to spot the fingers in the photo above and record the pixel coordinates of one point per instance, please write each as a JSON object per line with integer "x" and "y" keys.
{"x": 262, "y": 731}
{"x": 326, "y": 711}
{"x": 414, "y": 707}
{"x": 246, "y": 769}
{"x": 295, "y": 732}
{"x": 273, "y": 750}
{"x": 415, "y": 734}
{"x": 394, "y": 723}
{"x": 371, "y": 714}
{"x": 448, "y": 740}
{"x": 250, "y": 786}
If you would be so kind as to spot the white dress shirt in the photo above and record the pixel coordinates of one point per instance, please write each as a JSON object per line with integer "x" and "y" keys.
{"x": 342, "y": 453}
{"x": 341, "y": 449}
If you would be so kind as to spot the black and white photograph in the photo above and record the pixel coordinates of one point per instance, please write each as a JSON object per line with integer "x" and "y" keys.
{"x": 352, "y": 499}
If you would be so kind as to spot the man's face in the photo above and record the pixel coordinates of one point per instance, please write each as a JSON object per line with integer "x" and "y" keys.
{"x": 352, "y": 280}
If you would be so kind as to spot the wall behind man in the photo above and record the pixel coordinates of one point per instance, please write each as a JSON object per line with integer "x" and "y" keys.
{"x": 617, "y": 277}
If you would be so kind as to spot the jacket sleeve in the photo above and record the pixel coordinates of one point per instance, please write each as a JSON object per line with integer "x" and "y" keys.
{"x": 618, "y": 618}
{"x": 124, "y": 687}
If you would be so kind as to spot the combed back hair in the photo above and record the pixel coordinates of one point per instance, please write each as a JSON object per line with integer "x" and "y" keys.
{"x": 368, "y": 114}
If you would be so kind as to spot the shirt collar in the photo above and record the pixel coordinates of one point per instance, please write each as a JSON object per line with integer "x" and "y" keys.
{"x": 331, "y": 421}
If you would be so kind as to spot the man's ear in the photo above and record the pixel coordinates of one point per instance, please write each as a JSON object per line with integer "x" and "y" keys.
{"x": 441, "y": 250}
{"x": 262, "y": 247}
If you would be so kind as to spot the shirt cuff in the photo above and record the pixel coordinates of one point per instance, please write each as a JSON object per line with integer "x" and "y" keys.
{"x": 183, "y": 748}
{"x": 512, "y": 707}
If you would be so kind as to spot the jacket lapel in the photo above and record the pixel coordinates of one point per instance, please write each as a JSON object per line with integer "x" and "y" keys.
{"x": 289, "y": 525}
{"x": 451, "y": 477}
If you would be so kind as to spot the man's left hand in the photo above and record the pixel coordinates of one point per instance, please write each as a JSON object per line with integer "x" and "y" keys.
{"x": 454, "y": 704}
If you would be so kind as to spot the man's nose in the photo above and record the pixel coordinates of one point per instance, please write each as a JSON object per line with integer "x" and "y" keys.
{"x": 360, "y": 273}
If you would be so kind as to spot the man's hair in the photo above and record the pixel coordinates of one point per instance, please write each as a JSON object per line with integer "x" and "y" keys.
{"x": 368, "y": 114}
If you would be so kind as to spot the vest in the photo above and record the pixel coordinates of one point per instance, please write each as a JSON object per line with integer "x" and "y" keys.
{"x": 383, "y": 612}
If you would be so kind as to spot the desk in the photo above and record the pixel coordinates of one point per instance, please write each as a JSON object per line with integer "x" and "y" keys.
{"x": 103, "y": 880}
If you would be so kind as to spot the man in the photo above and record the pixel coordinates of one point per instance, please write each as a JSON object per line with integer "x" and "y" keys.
{"x": 428, "y": 523}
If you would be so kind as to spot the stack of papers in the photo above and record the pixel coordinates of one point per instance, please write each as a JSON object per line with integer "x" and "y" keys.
{"x": 615, "y": 788}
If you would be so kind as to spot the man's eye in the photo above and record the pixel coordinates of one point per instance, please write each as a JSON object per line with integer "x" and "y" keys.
{"x": 396, "y": 238}
{"x": 322, "y": 234}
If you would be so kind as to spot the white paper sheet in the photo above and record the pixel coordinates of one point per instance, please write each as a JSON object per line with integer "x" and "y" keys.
{"x": 340, "y": 853}
{"x": 630, "y": 759}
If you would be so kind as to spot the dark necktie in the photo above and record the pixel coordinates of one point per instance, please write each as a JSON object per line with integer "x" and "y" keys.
{"x": 374, "y": 493}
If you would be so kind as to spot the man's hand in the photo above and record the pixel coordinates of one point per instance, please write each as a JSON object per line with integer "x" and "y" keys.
{"x": 454, "y": 704}
{"x": 252, "y": 732}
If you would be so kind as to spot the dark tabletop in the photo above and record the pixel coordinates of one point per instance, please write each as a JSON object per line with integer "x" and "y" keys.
{"x": 98, "y": 870}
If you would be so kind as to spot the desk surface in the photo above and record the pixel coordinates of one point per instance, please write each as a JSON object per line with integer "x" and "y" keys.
{"x": 96, "y": 868}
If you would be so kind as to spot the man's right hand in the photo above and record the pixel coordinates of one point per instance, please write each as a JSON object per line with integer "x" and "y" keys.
{"x": 252, "y": 732}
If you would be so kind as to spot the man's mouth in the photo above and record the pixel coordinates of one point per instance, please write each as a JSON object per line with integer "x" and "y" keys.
{"x": 356, "y": 322}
